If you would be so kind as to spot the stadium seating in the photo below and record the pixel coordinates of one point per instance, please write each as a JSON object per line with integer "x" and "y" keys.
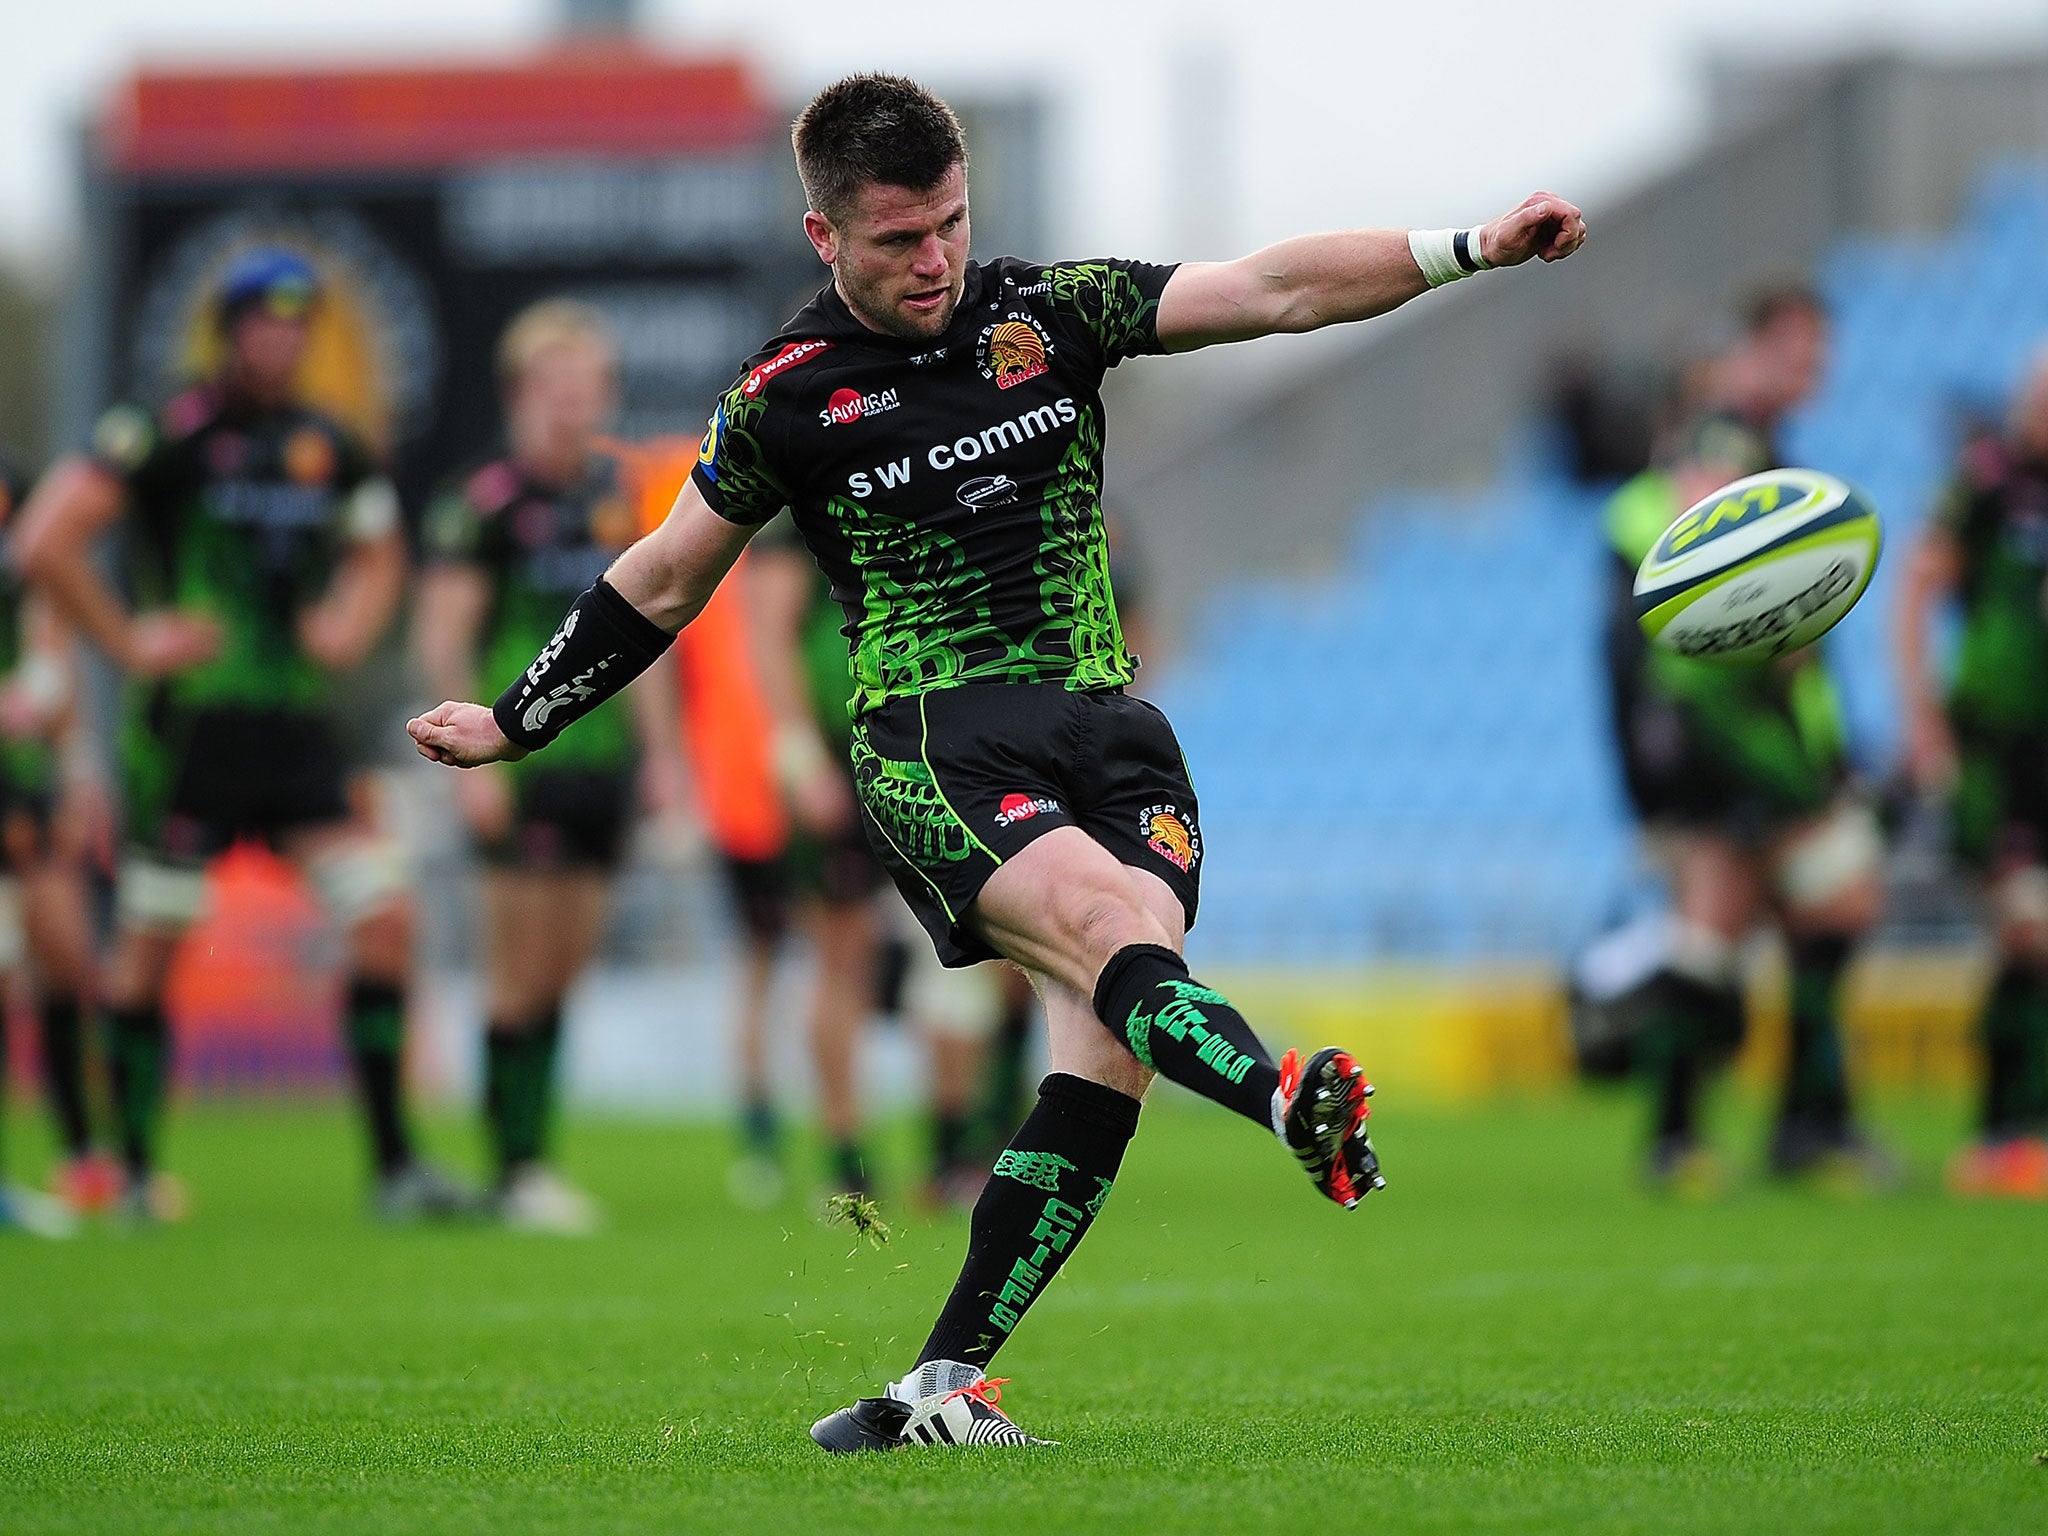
{"x": 1411, "y": 757}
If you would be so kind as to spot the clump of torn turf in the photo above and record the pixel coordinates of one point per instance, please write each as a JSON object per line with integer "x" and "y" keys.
{"x": 860, "y": 1213}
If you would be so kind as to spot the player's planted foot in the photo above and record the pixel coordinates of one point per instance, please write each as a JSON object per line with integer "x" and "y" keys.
{"x": 1319, "y": 1111}
{"x": 942, "y": 1402}
{"x": 537, "y": 1199}
{"x": 419, "y": 1191}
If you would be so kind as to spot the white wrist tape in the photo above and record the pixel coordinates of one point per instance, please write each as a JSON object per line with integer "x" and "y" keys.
{"x": 1445, "y": 255}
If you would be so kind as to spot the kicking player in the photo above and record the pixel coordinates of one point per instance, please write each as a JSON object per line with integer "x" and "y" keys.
{"x": 521, "y": 537}
{"x": 264, "y": 558}
{"x": 1739, "y": 777}
{"x": 1985, "y": 550}
{"x": 935, "y": 426}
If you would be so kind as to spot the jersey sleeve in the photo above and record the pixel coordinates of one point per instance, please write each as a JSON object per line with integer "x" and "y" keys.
{"x": 1116, "y": 303}
{"x": 734, "y": 471}
{"x": 461, "y": 525}
{"x": 131, "y": 445}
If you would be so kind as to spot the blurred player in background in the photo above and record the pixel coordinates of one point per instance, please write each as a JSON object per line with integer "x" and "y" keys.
{"x": 1740, "y": 778}
{"x": 1986, "y": 550}
{"x": 45, "y": 926}
{"x": 505, "y": 552}
{"x": 263, "y": 560}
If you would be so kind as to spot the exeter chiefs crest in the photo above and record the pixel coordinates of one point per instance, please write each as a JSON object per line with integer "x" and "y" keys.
{"x": 1012, "y": 349}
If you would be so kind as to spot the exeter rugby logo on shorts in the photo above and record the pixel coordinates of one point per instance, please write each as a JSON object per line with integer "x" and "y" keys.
{"x": 1016, "y": 808}
{"x": 1012, "y": 350}
{"x": 1171, "y": 836}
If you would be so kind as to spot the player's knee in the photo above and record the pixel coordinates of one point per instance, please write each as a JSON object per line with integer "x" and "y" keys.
{"x": 2019, "y": 903}
{"x": 380, "y": 943}
{"x": 1829, "y": 874}
{"x": 1107, "y": 921}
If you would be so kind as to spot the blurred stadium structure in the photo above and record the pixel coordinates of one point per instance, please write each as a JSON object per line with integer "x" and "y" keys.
{"x": 1384, "y": 571}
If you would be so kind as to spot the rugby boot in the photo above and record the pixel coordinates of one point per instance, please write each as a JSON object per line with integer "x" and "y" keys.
{"x": 2008, "y": 1168}
{"x": 942, "y": 1402}
{"x": 1319, "y": 1112}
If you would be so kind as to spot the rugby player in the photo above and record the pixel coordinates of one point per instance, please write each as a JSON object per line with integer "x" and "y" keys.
{"x": 935, "y": 426}
{"x": 1986, "y": 550}
{"x": 505, "y": 550}
{"x": 1739, "y": 777}
{"x": 264, "y": 558}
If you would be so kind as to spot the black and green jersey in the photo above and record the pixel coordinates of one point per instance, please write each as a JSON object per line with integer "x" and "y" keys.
{"x": 950, "y": 489}
{"x": 1771, "y": 733}
{"x": 1996, "y": 510}
{"x": 242, "y": 515}
{"x": 539, "y": 546}
{"x": 26, "y": 766}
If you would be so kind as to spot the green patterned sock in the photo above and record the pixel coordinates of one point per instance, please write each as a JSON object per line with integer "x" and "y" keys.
{"x": 1184, "y": 1031}
{"x": 519, "y": 1070}
{"x": 1047, "y": 1186}
{"x": 376, "y": 1049}
{"x": 138, "y": 1069}
{"x": 1816, "y": 1080}
{"x": 2014, "y": 1028}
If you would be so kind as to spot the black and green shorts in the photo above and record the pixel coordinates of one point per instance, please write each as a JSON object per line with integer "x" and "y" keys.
{"x": 954, "y": 782}
{"x": 1999, "y": 814}
{"x": 566, "y": 820}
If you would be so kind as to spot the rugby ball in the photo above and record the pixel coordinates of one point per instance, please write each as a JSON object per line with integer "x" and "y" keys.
{"x": 1765, "y": 565}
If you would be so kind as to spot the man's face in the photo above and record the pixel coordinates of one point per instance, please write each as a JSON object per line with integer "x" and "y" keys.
{"x": 564, "y": 396}
{"x": 899, "y": 258}
{"x": 1792, "y": 354}
{"x": 265, "y": 350}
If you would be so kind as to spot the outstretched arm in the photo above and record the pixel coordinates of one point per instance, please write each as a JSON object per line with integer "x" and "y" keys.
{"x": 663, "y": 581}
{"x": 1307, "y": 283}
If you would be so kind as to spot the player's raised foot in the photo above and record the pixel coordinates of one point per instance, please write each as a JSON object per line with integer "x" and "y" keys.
{"x": 34, "y": 1213}
{"x": 535, "y": 1198}
{"x": 2010, "y": 1168}
{"x": 942, "y": 1402}
{"x": 1319, "y": 1111}
{"x": 89, "y": 1185}
{"x": 421, "y": 1191}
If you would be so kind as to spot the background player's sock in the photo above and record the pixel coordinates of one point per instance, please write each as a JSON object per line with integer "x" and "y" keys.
{"x": 1045, "y": 1190}
{"x": 2014, "y": 1027}
{"x": 1816, "y": 1080}
{"x": 949, "y": 1140}
{"x": 138, "y": 1066}
{"x": 64, "y": 1072}
{"x": 1008, "y": 1095}
{"x": 376, "y": 1049}
{"x": 849, "y": 1167}
{"x": 519, "y": 1069}
{"x": 1689, "y": 1026}
{"x": 1184, "y": 1031}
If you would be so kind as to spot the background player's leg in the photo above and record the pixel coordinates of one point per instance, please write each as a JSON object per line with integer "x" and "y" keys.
{"x": 844, "y": 936}
{"x": 761, "y": 907}
{"x": 139, "y": 1055}
{"x": 58, "y": 924}
{"x": 2010, "y": 1156}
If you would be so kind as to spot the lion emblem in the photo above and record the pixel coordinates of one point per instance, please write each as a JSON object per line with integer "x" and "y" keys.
{"x": 1168, "y": 836}
{"x": 1016, "y": 352}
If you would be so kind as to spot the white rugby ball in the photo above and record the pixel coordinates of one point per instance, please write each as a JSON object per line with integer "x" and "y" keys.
{"x": 1765, "y": 565}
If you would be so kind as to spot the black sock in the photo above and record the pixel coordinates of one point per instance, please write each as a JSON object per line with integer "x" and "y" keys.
{"x": 1045, "y": 1190}
{"x": 64, "y": 1073}
{"x": 138, "y": 1070}
{"x": 1185, "y": 1032}
{"x": 1689, "y": 1027}
{"x": 2014, "y": 1028}
{"x": 949, "y": 1140}
{"x": 519, "y": 1071}
{"x": 760, "y": 1131}
{"x": 376, "y": 1049}
{"x": 1816, "y": 1081}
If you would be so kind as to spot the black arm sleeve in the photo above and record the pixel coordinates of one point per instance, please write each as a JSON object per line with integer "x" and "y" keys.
{"x": 603, "y": 644}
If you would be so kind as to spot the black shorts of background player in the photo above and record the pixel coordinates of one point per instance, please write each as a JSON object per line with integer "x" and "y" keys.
{"x": 1739, "y": 777}
{"x": 505, "y": 550}
{"x": 934, "y": 426}
{"x": 264, "y": 557}
{"x": 1985, "y": 751}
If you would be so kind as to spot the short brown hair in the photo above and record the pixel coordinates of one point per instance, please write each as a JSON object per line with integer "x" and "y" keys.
{"x": 549, "y": 324}
{"x": 873, "y": 128}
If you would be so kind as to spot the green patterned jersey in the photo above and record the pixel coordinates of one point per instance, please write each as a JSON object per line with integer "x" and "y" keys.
{"x": 950, "y": 489}
{"x": 243, "y": 515}
{"x": 1996, "y": 510}
{"x": 539, "y": 546}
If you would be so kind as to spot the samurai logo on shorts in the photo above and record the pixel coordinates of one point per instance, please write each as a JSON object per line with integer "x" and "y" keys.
{"x": 1017, "y": 808}
{"x": 1171, "y": 835}
{"x": 1012, "y": 349}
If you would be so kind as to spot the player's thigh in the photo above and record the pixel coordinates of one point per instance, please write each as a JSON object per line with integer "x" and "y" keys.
{"x": 1827, "y": 872}
{"x": 1717, "y": 880}
{"x": 1078, "y": 1044}
{"x": 1063, "y": 904}
{"x": 57, "y": 918}
{"x": 540, "y": 929}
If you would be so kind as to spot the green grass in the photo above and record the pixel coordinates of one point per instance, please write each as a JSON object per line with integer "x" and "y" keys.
{"x": 1512, "y": 1338}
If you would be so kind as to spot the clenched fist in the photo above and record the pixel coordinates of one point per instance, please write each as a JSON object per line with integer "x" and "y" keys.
{"x": 463, "y": 736}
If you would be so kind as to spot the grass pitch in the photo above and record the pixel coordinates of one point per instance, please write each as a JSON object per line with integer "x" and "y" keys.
{"x": 1511, "y": 1338}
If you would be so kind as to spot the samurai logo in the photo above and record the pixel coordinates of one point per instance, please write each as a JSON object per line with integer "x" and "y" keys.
{"x": 1012, "y": 350}
{"x": 1170, "y": 836}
